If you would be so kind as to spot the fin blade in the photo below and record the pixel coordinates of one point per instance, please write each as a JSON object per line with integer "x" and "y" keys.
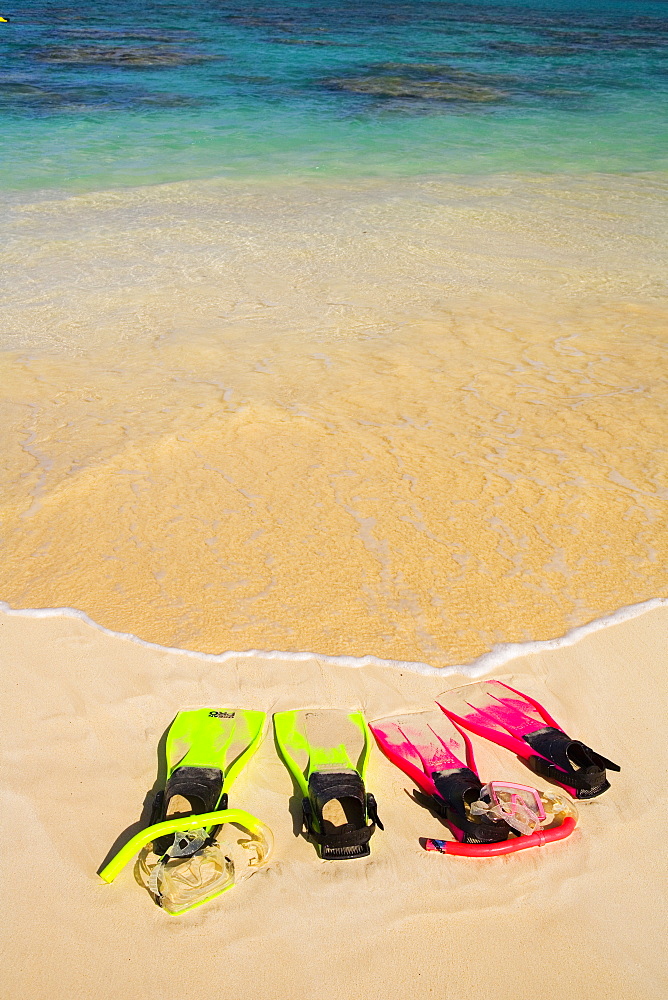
{"x": 221, "y": 738}
{"x": 316, "y": 739}
{"x": 497, "y": 712}
{"x": 292, "y": 745}
{"x": 421, "y": 744}
{"x": 249, "y": 731}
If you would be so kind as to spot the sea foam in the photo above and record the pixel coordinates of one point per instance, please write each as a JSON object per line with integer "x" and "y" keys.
{"x": 496, "y": 657}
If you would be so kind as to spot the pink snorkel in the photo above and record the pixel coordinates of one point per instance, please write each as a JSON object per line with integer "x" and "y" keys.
{"x": 538, "y": 839}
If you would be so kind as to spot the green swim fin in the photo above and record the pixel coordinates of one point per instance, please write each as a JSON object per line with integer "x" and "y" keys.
{"x": 326, "y": 753}
{"x": 205, "y": 750}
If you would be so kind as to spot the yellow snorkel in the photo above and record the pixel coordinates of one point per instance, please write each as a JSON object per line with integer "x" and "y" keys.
{"x": 184, "y": 858}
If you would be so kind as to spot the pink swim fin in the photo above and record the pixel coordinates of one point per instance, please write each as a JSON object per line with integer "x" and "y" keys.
{"x": 519, "y": 723}
{"x": 430, "y": 750}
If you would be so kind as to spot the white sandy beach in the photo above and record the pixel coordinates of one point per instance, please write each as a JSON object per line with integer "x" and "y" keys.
{"x": 82, "y": 716}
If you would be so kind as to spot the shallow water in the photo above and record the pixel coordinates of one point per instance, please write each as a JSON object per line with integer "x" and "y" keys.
{"x": 410, "y": 419}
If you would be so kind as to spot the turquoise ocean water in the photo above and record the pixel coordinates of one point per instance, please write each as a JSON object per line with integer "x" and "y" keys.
{"x": 118, "y": 94}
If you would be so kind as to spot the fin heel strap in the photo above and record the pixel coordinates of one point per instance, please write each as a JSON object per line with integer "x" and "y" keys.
{"x": 581, "y": 781}
{"x": 344, "y": 838}
{"x": 372, "y": 810}
{"x": 570, "y": 762}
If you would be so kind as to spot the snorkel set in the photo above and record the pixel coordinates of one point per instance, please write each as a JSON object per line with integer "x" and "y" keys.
{"x": 184, "y": 860}
{"x": 195, "y": 847}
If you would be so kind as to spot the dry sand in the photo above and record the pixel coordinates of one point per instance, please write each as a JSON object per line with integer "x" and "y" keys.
{"x": 83, "y": 714}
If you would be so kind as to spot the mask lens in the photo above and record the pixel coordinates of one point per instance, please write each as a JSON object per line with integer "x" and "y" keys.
{"x": 516, "y": 798}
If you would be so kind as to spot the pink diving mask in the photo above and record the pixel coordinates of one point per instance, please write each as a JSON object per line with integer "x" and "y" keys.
{"x": 520, "y": 806}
